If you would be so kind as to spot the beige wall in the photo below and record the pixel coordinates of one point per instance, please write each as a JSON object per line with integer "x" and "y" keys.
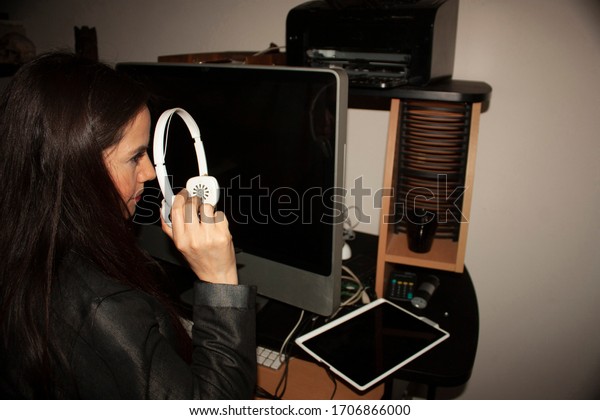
{"x": 532, "y": 248}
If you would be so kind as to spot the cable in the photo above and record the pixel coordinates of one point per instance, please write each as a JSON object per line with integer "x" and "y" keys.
{"x": 283, "y": 381}
{"x": 285, "y": 352}
{"x": 282, "y": 350}
{"x": 355, "y": 297}
{"x": 260, "y": 392}
{"x": 349, "y": 227}
{"x": 271, "y": 48}
{"x": 330, "y": 374}
{"x": 354, "y": 278}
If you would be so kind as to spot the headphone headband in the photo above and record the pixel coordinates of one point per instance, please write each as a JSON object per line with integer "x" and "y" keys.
{"x": 202, "y": 185}
{"x": 160, "y": 136}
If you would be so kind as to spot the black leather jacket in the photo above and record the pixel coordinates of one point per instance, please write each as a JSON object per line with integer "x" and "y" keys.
{"x": 119, "y": 342}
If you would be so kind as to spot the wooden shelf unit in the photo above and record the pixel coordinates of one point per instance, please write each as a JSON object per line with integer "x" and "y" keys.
{"x": 446, "y": 253}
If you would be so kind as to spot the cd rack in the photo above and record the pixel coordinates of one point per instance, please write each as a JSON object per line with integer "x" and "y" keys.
{"x": 430, "y": 167}
{"x": 433, "y": 146}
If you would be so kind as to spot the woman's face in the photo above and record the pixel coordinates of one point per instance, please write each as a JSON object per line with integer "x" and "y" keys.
{"x": 128, "y": 162}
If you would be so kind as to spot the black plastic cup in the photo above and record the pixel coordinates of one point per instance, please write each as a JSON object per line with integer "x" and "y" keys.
{"x": 421, "y": 225}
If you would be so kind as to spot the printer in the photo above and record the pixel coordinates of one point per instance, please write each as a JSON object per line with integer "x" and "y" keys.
{"x": 380, "y": 43}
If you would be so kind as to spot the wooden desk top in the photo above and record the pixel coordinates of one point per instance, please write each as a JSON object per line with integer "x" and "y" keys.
{"x": 309, "y": 381}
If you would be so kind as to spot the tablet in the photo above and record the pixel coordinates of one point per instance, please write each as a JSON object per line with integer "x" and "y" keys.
{"x": 370, "y": 343}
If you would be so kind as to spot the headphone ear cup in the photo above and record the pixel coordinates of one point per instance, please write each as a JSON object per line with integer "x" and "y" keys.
{"x": 206, "y": 187}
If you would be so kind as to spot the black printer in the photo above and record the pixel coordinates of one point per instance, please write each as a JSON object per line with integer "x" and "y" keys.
{"x": 380, "y": 43}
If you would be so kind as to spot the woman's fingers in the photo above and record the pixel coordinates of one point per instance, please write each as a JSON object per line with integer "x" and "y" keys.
{"x": 202, "y": 235}
{"x": 207, "y": 213}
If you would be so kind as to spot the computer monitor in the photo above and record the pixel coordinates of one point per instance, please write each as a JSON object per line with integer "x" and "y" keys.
{"x": 275, "y": 140}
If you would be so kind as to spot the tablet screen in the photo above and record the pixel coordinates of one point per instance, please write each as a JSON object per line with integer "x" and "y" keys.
{"x": 372, "y": 342}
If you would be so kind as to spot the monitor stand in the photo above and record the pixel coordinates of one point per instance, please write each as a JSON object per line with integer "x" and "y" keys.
{"x": 275, "y": 320}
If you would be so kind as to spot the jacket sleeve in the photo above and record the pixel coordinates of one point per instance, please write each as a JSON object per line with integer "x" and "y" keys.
{"x": 133, "y": 355}
{"x": 224, "y": 339}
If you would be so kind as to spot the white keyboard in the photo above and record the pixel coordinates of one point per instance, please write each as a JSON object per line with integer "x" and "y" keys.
{"x": 269, "y": 358}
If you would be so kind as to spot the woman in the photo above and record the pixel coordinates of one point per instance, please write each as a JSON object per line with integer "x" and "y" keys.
{"x": 82, "y": 311}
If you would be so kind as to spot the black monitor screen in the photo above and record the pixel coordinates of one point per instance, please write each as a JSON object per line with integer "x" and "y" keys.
{"x": 271, "y": 138}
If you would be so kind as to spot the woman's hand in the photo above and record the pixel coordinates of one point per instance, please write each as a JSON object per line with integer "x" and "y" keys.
{"x": 202, "y": 236}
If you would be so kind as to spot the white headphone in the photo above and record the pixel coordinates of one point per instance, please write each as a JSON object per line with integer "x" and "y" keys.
{"x": 203, "y": 186}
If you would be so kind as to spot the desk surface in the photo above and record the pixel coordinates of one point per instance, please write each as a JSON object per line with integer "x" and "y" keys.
{"x": 309, "y": 381}
{"x": 453, "y": 306}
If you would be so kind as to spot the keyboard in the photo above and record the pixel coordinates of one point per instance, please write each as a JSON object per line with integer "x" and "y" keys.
{"x": 269, "y": 358}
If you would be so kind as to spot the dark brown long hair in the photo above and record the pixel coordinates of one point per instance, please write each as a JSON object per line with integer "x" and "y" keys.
{"x": 57, "y": 115}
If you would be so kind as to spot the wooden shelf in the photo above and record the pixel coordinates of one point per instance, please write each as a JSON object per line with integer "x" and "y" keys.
{"x": 443, "y": 254}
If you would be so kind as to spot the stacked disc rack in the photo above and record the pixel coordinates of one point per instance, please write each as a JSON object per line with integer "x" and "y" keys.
{"x": 431, "y": 167}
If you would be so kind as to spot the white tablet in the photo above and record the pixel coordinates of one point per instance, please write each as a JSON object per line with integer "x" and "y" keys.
{"x": 370, "y": 343}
